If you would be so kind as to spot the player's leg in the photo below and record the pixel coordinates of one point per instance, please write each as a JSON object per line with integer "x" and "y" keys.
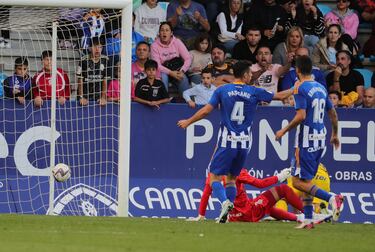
{"x": 280, "y": 214}
{"x": 228, "y": 205}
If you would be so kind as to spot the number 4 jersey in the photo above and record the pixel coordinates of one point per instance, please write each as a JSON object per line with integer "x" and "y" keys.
{"x": 313, "y": 98}
{"x": 238, "y": 104}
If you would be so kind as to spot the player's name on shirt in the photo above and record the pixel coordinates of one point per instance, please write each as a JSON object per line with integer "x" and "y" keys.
{"x": 239, "y": 93}
{"x": 313, "y": 90}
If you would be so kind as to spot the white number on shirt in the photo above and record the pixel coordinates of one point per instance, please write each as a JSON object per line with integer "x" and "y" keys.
{"x": 318, "y": 106}
{"x": 237, "y": 113}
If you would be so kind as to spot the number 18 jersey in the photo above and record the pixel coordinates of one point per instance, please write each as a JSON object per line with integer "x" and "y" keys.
{"x": 238, "y": 104}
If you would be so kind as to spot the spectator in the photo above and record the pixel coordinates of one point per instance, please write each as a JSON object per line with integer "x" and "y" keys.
{"x": 148, "y": 17}
{"x": 213, "y": 8}
{"x": 291, "y": 77}
{"x": 18, "y": 86}
{"x": 347, "y": 19}
{"x": 346, "y": 80}
{"x": 151, "y": 91}
{"x": 270, "y": 18}
{"x": 221, "y": 71}
{"x": 369, "y": 98}
{"x": 265, "y": 74}
{"x": 92, "y": 75}
{"x": 335, "y": 98}
{"x": 42, "y": 86}
{"x": 247, "y": 49}
{"x": 92, "y": 26}
{"x": 172, "y": 57}
{"x": 289, "y": 102}
{"x": 201, "y": 57}
{"x": 368, "y": 15}
{"x": 307, "y": 16}
{"x": 113, "y": 92}
{"x": 324, "y": 54}
{"x": 294, "y": 40}
{"x": 202, "y": 93}
{"x": 188, "y": 19}
{"x": 229, "y": 25}
{"x": 142, "y": 53}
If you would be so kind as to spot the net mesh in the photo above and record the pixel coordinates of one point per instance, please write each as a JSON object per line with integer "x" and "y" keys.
{"x": 86, "y": 137}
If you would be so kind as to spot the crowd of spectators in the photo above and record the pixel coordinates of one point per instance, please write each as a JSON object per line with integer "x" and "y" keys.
{"x": 186, "y": 51}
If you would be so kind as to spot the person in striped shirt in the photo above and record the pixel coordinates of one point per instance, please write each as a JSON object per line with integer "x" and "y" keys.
{"x": 311, "y": 103}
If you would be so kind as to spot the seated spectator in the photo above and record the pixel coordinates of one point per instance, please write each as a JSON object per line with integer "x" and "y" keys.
{"x": 335, "y": 98}
{"x": 201, "y": 57}
{"x": 270, "y": 18}
{"x": 213, "y": 8}
{"x": 291, "y": 77}
{"x": 18, "y": 86}
{"x": 347, "y": 19}
{"x": 265, "y": 74}
{"x": 92, "y": 75}
{"x": 324, "y": 53}
{"x": 346, "y": 80}
{"x": 142, "y": 53}
{"x": 289, "y": 102}
{"x": 368, "y": 15}
{"x": 92, "y": 26}
{"x": 41, "y": 82}
{"x": 247, "y": 49}
{"x": 202, "y": 93}
{"x": 188, "y": 19}
{"x": 151, "y": 91}
{"x": 229, "y": 25}
{"x": 172, "y": 57}
{"x": 221, "y": 71}
{"x": 294, "y": 40}
{"x": 369, "y": 98}
{"x": 148, "y": 17}
{"x": 307, "y": 16}
{"x": 113, "y": 92}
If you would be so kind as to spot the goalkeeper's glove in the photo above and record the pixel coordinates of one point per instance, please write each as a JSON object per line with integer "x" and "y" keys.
{"x": 284, "y": 174}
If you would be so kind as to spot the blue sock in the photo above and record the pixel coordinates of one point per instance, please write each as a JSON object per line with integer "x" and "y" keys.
{"x": 321, "y": 194}
{"x": 231, "y": 191}
{"x": 308, "y": 208}
{"x": 218, "y": 191}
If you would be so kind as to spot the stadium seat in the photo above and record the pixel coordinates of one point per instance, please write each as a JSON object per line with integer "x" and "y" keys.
{"x": 324, "y": 8}
{"x": 164, "y": 5}
{"x": 367, "y": 74}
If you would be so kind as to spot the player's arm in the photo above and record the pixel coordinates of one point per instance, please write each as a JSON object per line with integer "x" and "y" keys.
{"x": 246, "y": 178}
{"x": 334, "y": 122}
{"x": 203, "y": 112}
{"x": 298, "y": 118}
{"x": 283, "y": 94}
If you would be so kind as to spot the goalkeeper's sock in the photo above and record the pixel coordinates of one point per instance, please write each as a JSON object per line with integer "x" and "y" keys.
{"x": 308, "y": 208}
{"x": 320, "y": 193}
{"x": 280, "y": 214}
{"x": 219, "y": 191}
{"x": 291, "y": 197}
{"x": 204, "y": 200}
{"x": 231, "y": 191}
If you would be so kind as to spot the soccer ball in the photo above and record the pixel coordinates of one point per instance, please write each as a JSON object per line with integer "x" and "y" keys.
{"x": 61, "y": 172}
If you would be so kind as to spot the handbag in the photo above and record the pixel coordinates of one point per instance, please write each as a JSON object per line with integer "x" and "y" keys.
{"x": 174, "y": 64}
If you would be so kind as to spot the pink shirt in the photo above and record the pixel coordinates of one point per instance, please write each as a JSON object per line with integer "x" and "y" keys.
{"x": 114, "y": 89}
{"x": 349, "y": 21}
{"x": 269, "y": 79}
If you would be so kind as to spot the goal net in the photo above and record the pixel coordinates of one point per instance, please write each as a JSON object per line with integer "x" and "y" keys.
{"x": 75, "y": 51}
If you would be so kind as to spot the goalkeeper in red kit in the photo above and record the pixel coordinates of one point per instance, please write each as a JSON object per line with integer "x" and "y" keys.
{"x": 253, "y": 210}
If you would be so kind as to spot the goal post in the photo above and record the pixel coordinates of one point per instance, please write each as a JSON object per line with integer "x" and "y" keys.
{"x": 123, "y": 164}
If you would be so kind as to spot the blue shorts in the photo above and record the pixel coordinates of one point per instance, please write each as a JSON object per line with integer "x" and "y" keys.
{"x": 307, "y": 163}
{"x": 228, "y": 161}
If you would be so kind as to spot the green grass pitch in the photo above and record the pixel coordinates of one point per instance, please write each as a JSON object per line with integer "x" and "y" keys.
{"x": 54, "y": 234}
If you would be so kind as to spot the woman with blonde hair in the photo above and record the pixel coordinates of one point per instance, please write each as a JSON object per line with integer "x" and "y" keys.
{"x": 294, "y": 40}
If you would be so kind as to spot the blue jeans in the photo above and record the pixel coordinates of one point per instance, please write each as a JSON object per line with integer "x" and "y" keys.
{"x": 182, "y": 85}
{"x": 310, "y": 42}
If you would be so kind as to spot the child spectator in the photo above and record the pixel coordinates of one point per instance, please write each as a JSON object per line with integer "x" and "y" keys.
{"x": 18, "y": 86}
{"x": 202, "y": 93}
{"x": 289, "y": 102}
{"x": 92, "y": 75}
{"x": 335, "y": 98}
{"x": 151, "y": 91}
{"x": 148, "y": 17}
{"x": 201, "y": 57}
{"x": 113, "y": 92}
{"x": 42, "y": 86}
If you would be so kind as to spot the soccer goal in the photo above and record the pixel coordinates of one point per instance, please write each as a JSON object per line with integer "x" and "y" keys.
{"x": 57, "y": 60}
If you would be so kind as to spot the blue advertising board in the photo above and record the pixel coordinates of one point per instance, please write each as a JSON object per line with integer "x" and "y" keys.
{"x": 168, "y": 164}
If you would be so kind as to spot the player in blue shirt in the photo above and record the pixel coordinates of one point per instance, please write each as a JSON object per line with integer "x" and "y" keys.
{"x": 238, "y": 102}
{"x": 311, "y": 103}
